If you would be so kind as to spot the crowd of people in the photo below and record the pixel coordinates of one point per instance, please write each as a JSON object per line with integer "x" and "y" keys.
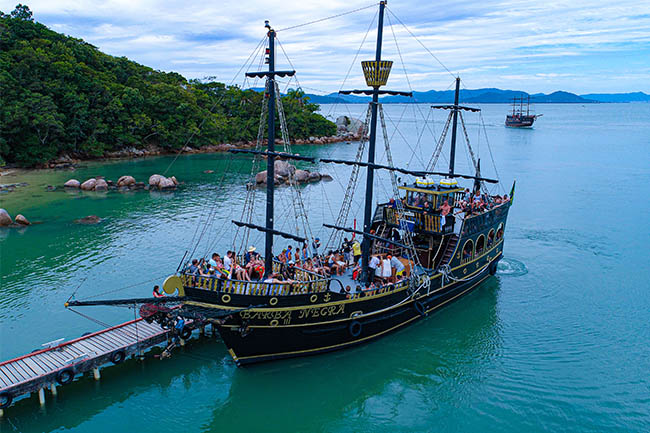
{"x": 250, "y": 267}
{"x": 477, "y": 202}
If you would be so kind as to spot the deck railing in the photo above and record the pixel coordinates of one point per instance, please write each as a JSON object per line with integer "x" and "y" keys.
{"x": 258, "y": 288}
{"x": 419, "y": 220}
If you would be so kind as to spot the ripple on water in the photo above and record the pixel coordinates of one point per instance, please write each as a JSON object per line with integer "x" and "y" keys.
{"x": 511, "y": 268}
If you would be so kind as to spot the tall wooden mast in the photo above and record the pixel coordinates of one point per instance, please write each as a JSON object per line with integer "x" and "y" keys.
{"x": 367, "y": 215}
{"x": 270, "y": 162}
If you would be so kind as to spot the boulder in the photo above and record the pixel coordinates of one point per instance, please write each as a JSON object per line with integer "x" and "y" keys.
{"x": 301, "y": 175}
{"x": 155, "y": 179}
{"x": 72, "y": 183}
{"x": 20, "y": 219}
{"x": 5, "y": 219}
{"x": 260, "y": 177}
{"x": 346, "y": 124}
{"x": 89, "y": 185}
{"x": 326, "y": 177}
{"x": 283, "y": 168}
{"x": 90, "y": 219}
{"x": 166, "y": 183}
{"x": 173, "y": 179}
{"x": 101, "y": 185}
{"x": 314, "y": 177}
{"x": 126, "y": 181}
{"x": 208, "y": 171}
{"x": 139, "y": 185}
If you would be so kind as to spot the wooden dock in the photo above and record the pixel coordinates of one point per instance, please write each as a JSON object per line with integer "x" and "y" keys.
{"x": 58, "y": 365}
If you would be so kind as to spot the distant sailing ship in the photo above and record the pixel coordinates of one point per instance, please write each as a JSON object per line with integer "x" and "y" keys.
{"x": 518, "y": 119}
{"x": 444, "y": 239}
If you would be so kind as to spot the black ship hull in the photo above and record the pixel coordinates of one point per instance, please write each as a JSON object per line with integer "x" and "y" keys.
{"x": 520, "y": 121}
{"x": 260, "y": 344}
{"x": 267, "y": 323}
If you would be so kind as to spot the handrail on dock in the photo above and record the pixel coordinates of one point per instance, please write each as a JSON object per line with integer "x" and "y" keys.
{"x": 47, "y": 367}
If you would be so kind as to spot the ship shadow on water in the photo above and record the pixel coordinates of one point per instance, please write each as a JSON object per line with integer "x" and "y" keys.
{"x": 419, "y": 365}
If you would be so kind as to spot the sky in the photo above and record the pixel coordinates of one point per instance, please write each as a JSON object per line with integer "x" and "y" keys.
{"x": 580, "y": 46}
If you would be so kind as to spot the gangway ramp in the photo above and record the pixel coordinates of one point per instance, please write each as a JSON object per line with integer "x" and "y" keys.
{"x": 60, "y": 364}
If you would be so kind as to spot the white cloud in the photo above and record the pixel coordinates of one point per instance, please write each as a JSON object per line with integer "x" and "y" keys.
{"x": 543, "y": 46}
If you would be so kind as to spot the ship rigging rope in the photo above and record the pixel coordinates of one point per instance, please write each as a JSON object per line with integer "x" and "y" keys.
{"x": 320, "y": 20}
{"x": 354, "y": 60}
{"x": 126, "y": 287}
{"x": 213, "y": 107}
{"x": 418, "y": 40}
{"x": 408, "y": 81}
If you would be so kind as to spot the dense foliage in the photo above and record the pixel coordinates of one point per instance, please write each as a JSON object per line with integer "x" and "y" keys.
{"x": 62, "y": 95}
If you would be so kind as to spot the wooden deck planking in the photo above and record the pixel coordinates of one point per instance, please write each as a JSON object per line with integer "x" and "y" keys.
{"x": 34, "y": 371}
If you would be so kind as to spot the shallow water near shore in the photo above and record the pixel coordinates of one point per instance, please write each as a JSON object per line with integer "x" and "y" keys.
{"x": 557, "y": 341}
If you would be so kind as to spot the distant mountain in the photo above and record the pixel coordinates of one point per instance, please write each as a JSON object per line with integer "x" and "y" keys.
{"x": 618, "y": 97}
{"x": 468, "y": 96}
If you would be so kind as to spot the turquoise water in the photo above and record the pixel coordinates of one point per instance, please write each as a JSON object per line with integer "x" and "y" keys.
{"x": 558, "y": 341}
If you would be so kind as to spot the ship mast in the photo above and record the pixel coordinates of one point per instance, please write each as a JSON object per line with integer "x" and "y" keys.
{"x": 367, "y": 215}
{"x": 454, "y": 128}
{"x": 270, "y": 153}
{"x": 270, "y": 161}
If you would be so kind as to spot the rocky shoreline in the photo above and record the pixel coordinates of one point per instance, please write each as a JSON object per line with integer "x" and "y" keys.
{"x": 348, "y": 129}
{"x": 70, "y": 161}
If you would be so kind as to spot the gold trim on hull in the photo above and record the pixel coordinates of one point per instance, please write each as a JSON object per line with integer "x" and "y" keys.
{"x": 353, "y": 342}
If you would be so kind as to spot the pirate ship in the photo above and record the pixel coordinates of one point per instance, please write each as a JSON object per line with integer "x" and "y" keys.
{"x": 447, "y": 247}
{"x": 519, "y": 119}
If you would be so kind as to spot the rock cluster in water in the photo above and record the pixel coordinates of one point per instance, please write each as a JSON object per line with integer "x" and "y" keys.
{"x": 90, "y": 219}
{"x": 286, "y": 173}
{"x": 6, "y": 221}
{"x": 124, "y": 183}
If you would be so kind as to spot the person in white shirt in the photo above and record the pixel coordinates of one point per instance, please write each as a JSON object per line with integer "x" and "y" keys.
{"x": 386, "y": 271}
{"x": 374, "y": 266}
{"x": 227, "y": 261}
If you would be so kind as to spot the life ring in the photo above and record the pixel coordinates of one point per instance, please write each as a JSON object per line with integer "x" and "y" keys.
{"x": 65, "y": 376}
{"x": 5, "y": 400}
{"x": 118, "y": 357}
{"x": 355, "y": 328}
{"x": 186, "y": 333}
{"x": 225, "y": 298}
{"x": 313, "y": 298}
{"x": 419, "y": 307}
{"x": 273, "y": 301}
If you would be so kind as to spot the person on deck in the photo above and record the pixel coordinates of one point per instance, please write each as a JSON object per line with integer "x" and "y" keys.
{"x": 444, "y": 211}
{"x": 427, "y": 209}
{"x": 392, "y": 204}
{"x": 315, "y": 246}
{"x": 347, "y": 248}
{"x": 157, "y": 293}
{"x": 296, "y": 255}
{"x": 249, "y": 255}
{"x": 228, "y": 261}
{"x": 397, "y": 268}
{"x": 213, "y": 261}
{"x": 356, "y": 251}
{"x": 375, "y": 267}
{"x": 386, "y": 271}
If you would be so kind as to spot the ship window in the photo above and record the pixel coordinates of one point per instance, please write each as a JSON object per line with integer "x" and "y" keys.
{"x": 480, "y": 244}
{"x": 468, "y": 250}
{"x": 490, "y": 239}
{"x": 500, "y": 231}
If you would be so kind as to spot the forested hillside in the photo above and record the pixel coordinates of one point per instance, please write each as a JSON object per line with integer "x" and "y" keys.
{"x": 60, "y": 95}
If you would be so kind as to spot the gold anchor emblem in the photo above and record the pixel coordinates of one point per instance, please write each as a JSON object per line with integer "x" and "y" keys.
{"x": 327, "y": 297}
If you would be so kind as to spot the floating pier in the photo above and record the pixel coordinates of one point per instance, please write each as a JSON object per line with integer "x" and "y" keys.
{"x": 59, "y": 362}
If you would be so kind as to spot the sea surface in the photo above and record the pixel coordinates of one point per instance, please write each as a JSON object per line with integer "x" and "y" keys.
{"x": 558, "y": 341}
